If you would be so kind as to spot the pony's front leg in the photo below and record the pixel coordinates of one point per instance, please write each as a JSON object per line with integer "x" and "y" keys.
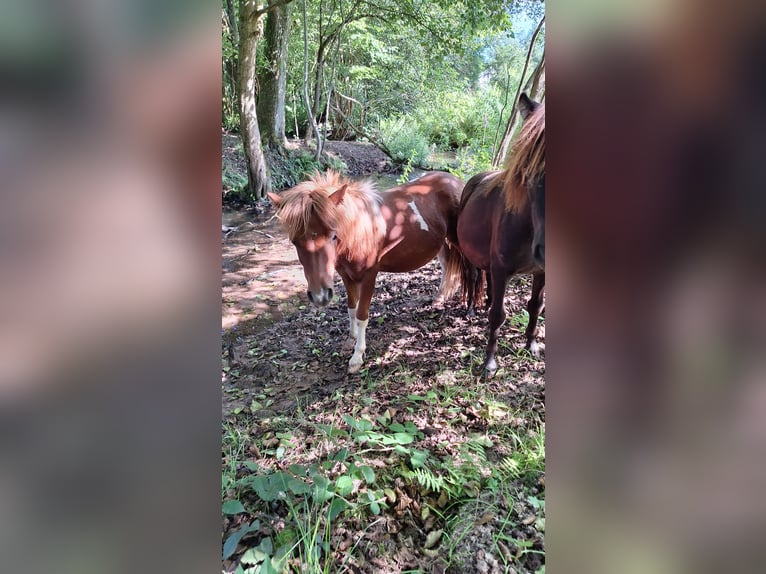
{"x": 533, "y": 308}
{"x": 352, "y": 290}
{"x": 496, "y": 317}
{"x": 362, "y": 318}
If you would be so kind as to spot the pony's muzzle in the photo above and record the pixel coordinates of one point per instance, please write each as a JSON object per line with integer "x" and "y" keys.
{"x": 322, "y": 298}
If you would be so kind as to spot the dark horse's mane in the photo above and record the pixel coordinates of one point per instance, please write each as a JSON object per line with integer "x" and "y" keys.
{"x": 525, "y": 162}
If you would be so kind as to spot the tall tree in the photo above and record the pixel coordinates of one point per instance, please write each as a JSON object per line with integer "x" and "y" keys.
{"x": 250, "y": 12}
{"x": 513, "y": 120}
{"x": 273, "y": 77}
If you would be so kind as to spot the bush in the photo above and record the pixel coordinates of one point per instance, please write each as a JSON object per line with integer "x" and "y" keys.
{"x": 404, "y": 141}
{"x": 471, "y": 161}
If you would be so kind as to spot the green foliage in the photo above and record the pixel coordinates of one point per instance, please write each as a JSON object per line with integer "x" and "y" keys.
{"x": 453, "y": 119}
{"x": 401, "y": 180}
{"x": 472, "y": 160}
{"x": 405, "y": 142}
{"x": 232, "y": 182}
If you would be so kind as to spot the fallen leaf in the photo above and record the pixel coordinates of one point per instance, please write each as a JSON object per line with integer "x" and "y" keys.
{"x": 432, "y": 538}
{"x": 486, "y": 517}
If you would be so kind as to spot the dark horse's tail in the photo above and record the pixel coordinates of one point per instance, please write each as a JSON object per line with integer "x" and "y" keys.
{"x": 472, "y": 279}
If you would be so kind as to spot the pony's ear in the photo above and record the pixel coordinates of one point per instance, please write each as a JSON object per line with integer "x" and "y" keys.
{"x": 275, "y": 199}
{"x": 338, "y": 195}
{"x": 526, "y": 106}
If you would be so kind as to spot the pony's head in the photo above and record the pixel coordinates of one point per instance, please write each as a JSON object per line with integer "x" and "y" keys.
{"x": 311, "y": 217}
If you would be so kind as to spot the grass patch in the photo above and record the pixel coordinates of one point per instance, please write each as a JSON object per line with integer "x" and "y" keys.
{"x": 435, "y": 451}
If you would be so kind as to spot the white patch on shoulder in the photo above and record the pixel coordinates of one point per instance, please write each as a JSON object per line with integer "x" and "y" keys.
{"x": 421, "y": 221}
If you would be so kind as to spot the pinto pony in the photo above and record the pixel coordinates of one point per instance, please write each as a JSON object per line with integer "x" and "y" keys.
{"x": 344, "y": 225}
{"x": 501, "y": 228}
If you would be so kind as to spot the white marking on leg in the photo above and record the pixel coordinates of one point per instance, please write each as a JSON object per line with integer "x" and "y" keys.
{"x": 418, "y": 217}
{"x": 355, "y": 364}
{"x": 352, "y": 322}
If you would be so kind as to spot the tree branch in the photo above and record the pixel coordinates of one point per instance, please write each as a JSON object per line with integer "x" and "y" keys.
{"x": 378, "y": 144}
{"x": 269, "y": 7}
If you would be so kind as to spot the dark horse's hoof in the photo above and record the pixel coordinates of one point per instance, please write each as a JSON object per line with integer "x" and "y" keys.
{"x": 488, "y": 369}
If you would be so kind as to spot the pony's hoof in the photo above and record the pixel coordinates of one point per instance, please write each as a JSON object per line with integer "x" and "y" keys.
{"x": 490, "y": 367}
{"x": 354, "y": 368}
{"x": 536, "y": 349}
{"x": 348, "y": 345}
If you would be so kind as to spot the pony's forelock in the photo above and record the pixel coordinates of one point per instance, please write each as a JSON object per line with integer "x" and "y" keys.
{"x": 310, "y": 200}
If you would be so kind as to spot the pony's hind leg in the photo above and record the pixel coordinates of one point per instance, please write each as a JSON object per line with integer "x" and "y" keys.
{"x": 534, "y": 306}
{"x": 496, "y": 317}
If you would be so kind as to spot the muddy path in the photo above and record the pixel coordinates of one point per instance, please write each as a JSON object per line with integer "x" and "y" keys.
{"x": 273, "y": 337}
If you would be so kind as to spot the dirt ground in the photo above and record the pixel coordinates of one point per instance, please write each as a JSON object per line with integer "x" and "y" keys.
{"x": 283, "y": 369}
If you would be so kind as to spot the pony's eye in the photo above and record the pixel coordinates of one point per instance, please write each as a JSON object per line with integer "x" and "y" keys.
{"x": 333, "y": 236}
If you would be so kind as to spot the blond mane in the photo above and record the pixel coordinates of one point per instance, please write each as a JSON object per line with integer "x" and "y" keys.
{"x": 354, "y": 220}
{"x": 525, "y": 161}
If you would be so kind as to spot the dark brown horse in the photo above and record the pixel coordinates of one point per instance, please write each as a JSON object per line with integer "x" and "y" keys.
{"x": 343, "y": 225}
{"x": 501, "y": 228}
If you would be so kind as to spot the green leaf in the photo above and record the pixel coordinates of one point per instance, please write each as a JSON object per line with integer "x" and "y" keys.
{"x": 337, "y": 506}
{"x": 297, "y": 469}
{"x": 298, "y": 487}
{"x": 322, "y": 492}
{"x": 369, "y": 474}
{"x": 266, "y": 545}
{"x": 344, "y": 485}
{"x": 419, "y": 458}
{"x": 252, "y": 556}
{"x": 415, "y": 398}
{"x": 268, "y": 567}
{"x": 341, "y": 455}
{"x": 375, "y": 508}
{"x": 331, "y": 431}
{"x": 399, "y": 438}
{"x": 233, "y": 507}
{"x": 230, "y": 546}
{"x": 360, "y": 425}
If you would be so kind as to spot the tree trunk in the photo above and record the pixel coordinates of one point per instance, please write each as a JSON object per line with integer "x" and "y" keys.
{"x": 536, "y": 80}
{"x": 258, "y": 179}
{"x": 229, "y": 87}
{"x": 309, "y": 112}
{"x": 513, "y": 120}
{"x": 273, "y": 79}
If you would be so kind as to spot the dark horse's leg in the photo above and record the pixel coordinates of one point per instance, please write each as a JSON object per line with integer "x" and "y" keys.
{"x": 488, "y": 302}
{"x": 533, "y": 308}
{"x": 499, "y": 281}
